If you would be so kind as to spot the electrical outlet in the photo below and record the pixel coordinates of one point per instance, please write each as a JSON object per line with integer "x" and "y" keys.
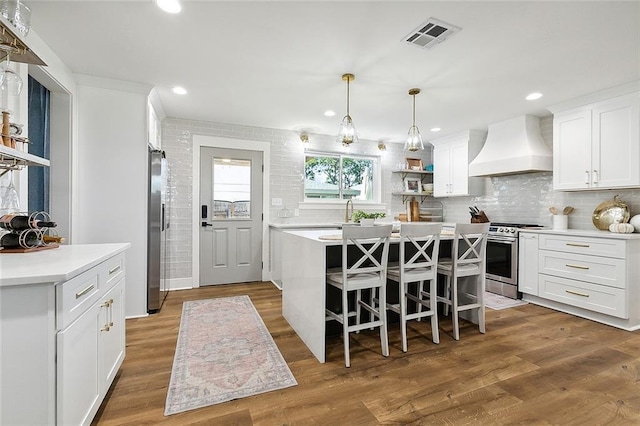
{"x": 296, "y": 212}
{"x": 276, "y": 201}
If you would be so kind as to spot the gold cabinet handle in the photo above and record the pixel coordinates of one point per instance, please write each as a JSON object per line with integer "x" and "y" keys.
{"x": 578, "y": 245}
{"x": 568, "y": 265}
{"x": 577, "y": 293}
{"x": 115, "y": 269}
{"x": 85, "y": 291}
{"x": 105, "y": 328}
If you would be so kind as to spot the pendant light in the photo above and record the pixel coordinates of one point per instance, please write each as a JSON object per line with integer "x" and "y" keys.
{"x": 414, "y": 139}
{"x": 347, "y": 134}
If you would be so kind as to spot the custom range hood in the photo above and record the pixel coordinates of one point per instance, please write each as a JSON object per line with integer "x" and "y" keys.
{"x": 513, "y": 146}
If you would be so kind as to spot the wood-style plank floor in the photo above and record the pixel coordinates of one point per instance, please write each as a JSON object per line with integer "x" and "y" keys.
{"x": 534, "y": 366}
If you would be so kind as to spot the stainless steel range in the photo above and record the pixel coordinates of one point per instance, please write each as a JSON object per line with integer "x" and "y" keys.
{"x": 502, "y": 258}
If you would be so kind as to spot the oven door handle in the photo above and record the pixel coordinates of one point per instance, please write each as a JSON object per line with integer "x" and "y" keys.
{"x": 502, "y": 240}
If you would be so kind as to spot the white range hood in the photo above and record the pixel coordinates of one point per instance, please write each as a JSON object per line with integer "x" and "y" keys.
{"x": 513, "y": 146}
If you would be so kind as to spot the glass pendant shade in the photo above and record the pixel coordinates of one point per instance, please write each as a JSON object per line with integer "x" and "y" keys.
{"x": 414, "y": 139}
{"x": 347, "y": 134}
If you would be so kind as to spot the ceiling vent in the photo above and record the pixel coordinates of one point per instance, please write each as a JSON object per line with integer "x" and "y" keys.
{"x": 431, "y": 33}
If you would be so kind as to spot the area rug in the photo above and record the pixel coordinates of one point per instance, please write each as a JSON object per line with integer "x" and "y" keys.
{"x": 224, "y": 352}
{"x": 497, "y": 302}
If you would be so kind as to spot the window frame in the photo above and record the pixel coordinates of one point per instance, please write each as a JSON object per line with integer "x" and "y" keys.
{"x": 376, "y": 181}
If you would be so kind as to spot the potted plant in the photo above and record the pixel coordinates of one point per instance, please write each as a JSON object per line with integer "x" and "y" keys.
{"x": 365, "y": 218}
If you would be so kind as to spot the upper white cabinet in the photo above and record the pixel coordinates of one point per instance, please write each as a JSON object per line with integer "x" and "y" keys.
{"x": 451, "y": 158}
{"x": 597, "y": 146}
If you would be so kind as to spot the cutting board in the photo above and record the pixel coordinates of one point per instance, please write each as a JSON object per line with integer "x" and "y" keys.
{"x": 28, "y": 250}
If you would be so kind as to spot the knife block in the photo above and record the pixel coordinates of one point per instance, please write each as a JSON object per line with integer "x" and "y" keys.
{"x": 480, "y": 218}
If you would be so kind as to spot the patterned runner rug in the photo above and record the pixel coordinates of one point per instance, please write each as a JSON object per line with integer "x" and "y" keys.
{"x": 497, "y": 302}
{"x": 224, "y": 352}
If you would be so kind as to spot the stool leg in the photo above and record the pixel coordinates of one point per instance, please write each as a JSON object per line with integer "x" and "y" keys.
{"x": 345, "y": 327}
{"x": 481, "y": 313}
{"x": 403, "y": 287}
{"x": 420, "y": 296}
{"x": 447, "y": 294}
{"x": 358, "y": 309}
{"x": 382, "y": 311}
{"x": 454, "y": 308}
{"x": 433, "y": 304}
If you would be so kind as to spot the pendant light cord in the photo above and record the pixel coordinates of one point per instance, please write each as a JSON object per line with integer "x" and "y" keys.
{"x": 348, "y": 97}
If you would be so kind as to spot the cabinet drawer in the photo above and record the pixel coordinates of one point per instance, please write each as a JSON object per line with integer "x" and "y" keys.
{"x": 594, "y": 297}
{"x": 598, "y": 270}
{"x": 111, "y": 270}
{"x": 584, "y": 245}
{"x": 73, "y": 297}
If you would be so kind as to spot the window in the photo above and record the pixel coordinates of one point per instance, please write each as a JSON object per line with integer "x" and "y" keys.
{"x": 329, "y": 176}
{"x": 231, "y": 189}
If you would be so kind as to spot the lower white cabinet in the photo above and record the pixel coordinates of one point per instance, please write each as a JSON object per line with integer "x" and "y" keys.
{"x": 590, "y": 274}
{"x": 76, "y": 334}
{"x": 90, "y": 352}
{"x": 527, "y": 263}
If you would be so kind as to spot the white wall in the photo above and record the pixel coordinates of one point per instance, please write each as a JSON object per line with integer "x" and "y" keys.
{"x": 112, "y": 174}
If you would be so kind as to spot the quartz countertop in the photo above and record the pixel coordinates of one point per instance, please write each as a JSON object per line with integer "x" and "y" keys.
{"x": 595, "y": 233}
{"x": 54, "y": 265}
{"x": 325, "y": 225}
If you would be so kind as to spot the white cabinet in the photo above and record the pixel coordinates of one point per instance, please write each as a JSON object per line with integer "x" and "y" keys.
{"x": 76, "y": 330}
{"x": 91, "y": 349}
{"x": 451, "y": 158}
{"x": 592, "y": 274}
{"x": 597, "y": 146}
{"x": 528, "y": 263}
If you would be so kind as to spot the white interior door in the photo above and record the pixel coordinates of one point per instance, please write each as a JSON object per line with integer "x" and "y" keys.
{"x": 230, "y": 216}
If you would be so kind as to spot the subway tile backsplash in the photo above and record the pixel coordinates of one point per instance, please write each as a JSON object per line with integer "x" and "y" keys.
{"x": 515, "y": 198}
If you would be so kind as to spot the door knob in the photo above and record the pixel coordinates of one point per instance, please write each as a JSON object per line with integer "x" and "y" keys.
{"x": 205, "y": 224}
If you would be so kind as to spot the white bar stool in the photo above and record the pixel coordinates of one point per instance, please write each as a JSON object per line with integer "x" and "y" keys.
{"x": 467, "y": 259}
{"x": 363, "y": 267}
{"x": 419, "y": 246}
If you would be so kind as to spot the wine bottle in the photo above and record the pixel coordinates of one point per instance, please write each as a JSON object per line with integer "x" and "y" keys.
{"x": 24, "y": 239}
{"x": 52, "y": 239}
{"x": 15, "y": 222}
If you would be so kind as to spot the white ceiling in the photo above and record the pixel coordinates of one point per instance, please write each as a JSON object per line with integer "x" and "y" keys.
{"x": 279, "y": 64}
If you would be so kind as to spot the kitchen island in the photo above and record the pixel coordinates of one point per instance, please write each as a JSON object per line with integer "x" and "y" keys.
{"x": 306, "y": 256}
{"x": 62, "y": 332}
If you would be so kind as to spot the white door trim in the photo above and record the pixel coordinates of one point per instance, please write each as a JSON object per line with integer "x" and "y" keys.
{"x": 218, "y": 142}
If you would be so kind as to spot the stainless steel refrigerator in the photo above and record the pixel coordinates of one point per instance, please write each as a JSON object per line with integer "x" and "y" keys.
{"x": 158, "y": 224}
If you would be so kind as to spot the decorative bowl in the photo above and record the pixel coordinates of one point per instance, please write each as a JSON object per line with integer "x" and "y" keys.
{"x": 608, "y": 212}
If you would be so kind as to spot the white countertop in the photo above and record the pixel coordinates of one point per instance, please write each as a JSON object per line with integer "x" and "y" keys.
{"x": 334, "y": 236}
{"x": 58, "y": 264}
{"x": 585, "y": 233}
{"x": 325, "y": 225}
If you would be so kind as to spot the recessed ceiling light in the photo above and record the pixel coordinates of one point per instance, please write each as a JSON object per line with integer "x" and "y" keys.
{"x": 533, "y": 96}
{"x": 329, "y": 113}
{"x": 169, "y": 6}
{"x": 436, "y": 129}
{"x": 179, "y": 90}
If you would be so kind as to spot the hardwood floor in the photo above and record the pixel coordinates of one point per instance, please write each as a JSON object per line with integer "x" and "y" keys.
{"x": 534, "y": 366}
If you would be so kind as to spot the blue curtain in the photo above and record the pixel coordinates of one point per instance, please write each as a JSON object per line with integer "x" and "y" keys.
{"x": 39, "y": 104}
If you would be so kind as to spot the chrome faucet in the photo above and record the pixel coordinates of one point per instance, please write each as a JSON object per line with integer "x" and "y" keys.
{"x": 347, "y": 216}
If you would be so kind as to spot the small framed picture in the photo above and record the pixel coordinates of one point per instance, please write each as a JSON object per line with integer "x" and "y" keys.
{"x": 412, "y": 185}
